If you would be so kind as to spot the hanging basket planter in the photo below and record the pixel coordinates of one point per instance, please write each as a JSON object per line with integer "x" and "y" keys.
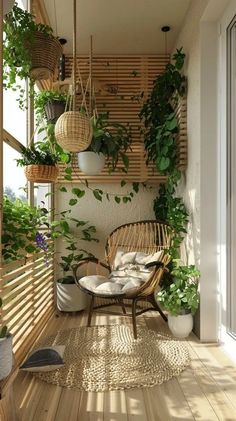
{"x": 91, "y": 163}
{"x": 45, "y": 52}
{"x": 53, "y": 110}
{"x": 73, "y": 131}
{"x": 41, "y": 173}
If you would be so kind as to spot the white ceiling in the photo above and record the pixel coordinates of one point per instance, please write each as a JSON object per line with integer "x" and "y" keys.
{"x": 118, "y": 26}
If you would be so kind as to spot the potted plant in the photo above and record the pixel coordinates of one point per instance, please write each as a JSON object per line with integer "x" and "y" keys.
{"x": 110, "y": 141}
{"x": 29, "y": 50}
{"x": 179, "y": 296}
{"x": 5, "y": 351}
{"x": 49, "y": 105}
{"x": 40, "y": 161}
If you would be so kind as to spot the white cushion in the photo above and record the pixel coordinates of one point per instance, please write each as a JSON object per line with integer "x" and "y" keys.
{"x": 129, "y": 273}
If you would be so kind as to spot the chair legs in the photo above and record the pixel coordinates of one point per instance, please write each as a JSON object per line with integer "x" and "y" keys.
{"x": 157, "y": 307}
{"x": 90, "y": 311}
{"x": 121, "y": 302}
{"x": 134, "y": 303}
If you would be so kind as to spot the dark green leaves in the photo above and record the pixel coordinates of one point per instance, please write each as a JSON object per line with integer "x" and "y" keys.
{"x": 77, "y": 192}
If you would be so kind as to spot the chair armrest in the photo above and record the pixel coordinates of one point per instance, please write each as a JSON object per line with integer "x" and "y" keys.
{"x": 86, "y": 260}
{"x": 157, "y": 264}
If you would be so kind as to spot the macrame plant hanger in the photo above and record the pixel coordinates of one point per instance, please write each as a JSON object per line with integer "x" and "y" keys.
{"x": 73, "y": 130}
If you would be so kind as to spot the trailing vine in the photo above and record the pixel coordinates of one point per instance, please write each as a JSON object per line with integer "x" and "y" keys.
{"x": 160, "y": 130}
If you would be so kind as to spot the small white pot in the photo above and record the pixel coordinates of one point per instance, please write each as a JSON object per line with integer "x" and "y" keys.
{"x": 91, "y": 163}
{"x": 7, "y": 6}
{"x": 5, "y": 356}
{"x": 181, "y": 325}
{"x": 70, "y": 298}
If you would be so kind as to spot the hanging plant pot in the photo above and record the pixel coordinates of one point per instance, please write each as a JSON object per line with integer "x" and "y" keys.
{"x": 91, "y": 163}
{"x": 181, "y": 325}
{"x": 54, "y": 109}
{"x": 45, "y": 53}
{"x": 7, "y": 6}
{"x": 41, "y": 173}
{"x": 5, "y": 356}
{"x": 73, "y": 131}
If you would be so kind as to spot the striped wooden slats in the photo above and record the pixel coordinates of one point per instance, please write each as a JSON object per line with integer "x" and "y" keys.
{"x": 26, "y": 288}
{"x": 121, "y": 83}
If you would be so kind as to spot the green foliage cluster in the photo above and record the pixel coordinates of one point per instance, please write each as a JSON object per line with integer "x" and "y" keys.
{"x": 179, "y": 289}
{"x": 20, "y": 225}
{"x": 19, "y": 32}
{"x": 112, "y": 140}
{"x": 39, "y": 153}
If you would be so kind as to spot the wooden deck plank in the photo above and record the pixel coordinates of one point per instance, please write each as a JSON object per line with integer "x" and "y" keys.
{"x": 115, "y": 406}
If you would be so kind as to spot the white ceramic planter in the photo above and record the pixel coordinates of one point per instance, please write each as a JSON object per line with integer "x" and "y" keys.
{"x": 181, "y": 325}
{"x": 7, "y": 6}
{"x": 70, "y": 298}
{"x": 5, "y": 356}
{"x": 91, "y": 163}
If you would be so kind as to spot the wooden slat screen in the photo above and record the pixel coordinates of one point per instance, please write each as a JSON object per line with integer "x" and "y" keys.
{"x": 26, "y": 289}
{"x": 119, "y": 81}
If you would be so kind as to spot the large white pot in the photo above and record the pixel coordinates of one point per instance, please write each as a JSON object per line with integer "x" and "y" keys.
{"x": 70, "y": 298}
{"x": 7, "y": 6}
{"x": 91, "y": 163}
{"x": 5, "y": 356}
{"x": 181, "y": 325}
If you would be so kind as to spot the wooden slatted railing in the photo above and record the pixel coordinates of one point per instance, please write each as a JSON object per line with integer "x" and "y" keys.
{"x": 26, "y": 288}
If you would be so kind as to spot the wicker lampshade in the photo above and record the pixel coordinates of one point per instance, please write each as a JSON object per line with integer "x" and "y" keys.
{"x": 73, "y": 131}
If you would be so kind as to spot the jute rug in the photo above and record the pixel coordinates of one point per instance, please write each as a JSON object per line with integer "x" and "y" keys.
{"x": 108, "y": 358}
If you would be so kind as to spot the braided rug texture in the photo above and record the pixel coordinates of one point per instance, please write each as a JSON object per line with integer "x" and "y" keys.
{"x": 104, "y": 358}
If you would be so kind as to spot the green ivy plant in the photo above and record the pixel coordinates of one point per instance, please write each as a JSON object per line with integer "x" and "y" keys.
{"x": 180, "y": 295}
{"x": 178, "y": 290}
{"x": 39, "y": 153}
{"x": 19, "y": 31}
{"x": 112, "y": 140}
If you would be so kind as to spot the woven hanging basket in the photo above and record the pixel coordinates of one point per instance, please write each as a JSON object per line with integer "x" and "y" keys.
{"x": 41, "y": 173}
{"x": 73, "y": 131}
{"x": 45, "y": 53}
{"x": 54, "y": 109}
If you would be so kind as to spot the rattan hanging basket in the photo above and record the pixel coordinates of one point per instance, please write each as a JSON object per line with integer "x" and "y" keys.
{"x": 73, "y": 131}
{"x": 45, "y": 53}
{"x": 41, "y": 173}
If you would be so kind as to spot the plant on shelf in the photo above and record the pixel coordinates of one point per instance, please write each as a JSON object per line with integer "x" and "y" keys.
{"x": 5, "y": 350}
{"x": 29, "y": 50}
{"x": 49, "y": 105}
{"x": 179, "y": 290}
{"x": 110, "y": 141}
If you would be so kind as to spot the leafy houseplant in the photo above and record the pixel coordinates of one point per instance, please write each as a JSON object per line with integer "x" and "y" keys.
{"x": 110, "y": 140}
{"x": 29, "y": 50}
{"x": 40, "y": 162}
{"x": 180, "y": 297}
{"x": 49, "y": 105}
{"x": 5, "y": 350}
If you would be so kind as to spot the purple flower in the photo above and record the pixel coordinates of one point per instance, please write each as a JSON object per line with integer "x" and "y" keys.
{"x": 42, "y": 244}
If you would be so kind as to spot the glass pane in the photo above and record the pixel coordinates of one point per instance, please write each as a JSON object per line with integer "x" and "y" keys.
{"x": 14, "y": 181}
{"x": 14, "y": 119}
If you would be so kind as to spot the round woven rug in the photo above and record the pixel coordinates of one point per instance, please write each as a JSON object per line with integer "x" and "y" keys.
{"x": 104, "y": 358}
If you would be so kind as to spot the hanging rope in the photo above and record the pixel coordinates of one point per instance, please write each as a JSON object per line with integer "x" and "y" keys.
{"x": 74, "y": 55}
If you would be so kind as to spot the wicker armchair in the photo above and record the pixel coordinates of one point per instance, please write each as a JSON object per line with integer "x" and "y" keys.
{"x": 148, "y": 237}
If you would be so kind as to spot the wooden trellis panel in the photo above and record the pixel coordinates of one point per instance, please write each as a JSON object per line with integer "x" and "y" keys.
{"x": 27, "y": 291}
{"x": 121, "y": 83}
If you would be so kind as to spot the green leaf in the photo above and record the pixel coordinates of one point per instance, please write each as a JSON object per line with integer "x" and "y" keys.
{"x": 164, "y": 163}
{"x": 136, "y": 187}
{"x": 79, "y": 193}
{"x": 97, "y": 195}
{"x": 117, "y": 199}
{"x": 63, "y": 189}
{"x": 123, "y": 183}
{"x": 73, "y": 202}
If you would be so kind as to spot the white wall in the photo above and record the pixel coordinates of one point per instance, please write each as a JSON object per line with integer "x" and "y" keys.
{"x": 106, "y": 216}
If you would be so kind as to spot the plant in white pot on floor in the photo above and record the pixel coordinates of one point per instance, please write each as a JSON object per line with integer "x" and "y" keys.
{"x": 180, "y": 297}
{"x": 5, "y": 350}
{"x": 110, "y": 143}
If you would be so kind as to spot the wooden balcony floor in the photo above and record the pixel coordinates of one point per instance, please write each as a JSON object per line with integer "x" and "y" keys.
{"x": 204, "y": 391}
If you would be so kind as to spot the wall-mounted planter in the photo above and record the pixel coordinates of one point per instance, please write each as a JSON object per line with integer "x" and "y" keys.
{"x": 53, "y": 110}
{"x": 45, "y": 53}
{"x": 73, "y": 131}
{"x": 91, "y": 163}
{"x": 6, "y": 359}
{"x": 41, "y": 173}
